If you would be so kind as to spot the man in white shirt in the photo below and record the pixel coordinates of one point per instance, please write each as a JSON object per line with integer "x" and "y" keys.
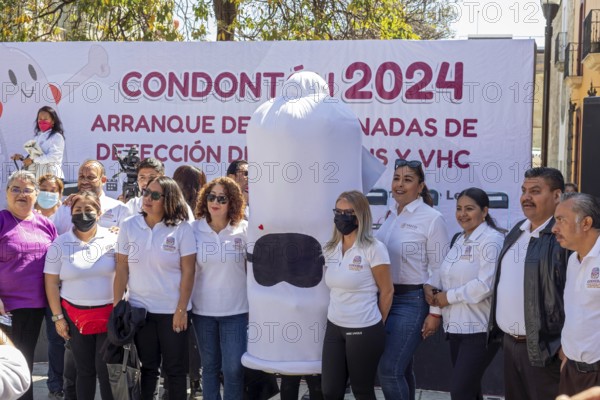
{"x": 147, "y": 169}
{"x": 238, "y": 171}
{"x": 527, "y": 303}
{"x": 91, "y": 177}
{"x": 577, "y": 228}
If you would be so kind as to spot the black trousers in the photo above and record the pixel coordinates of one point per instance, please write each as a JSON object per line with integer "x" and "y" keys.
{"x": 522, "y": 381}
{"x": 88, "y": 361}
{"x": 573, "y": 381}
{"x": 470, "y": 357}
{"x": 290, "y": 387}
{"x": 351, "y": 353}
{"x": 69, "y": 373}
{"x": 156, "y": 342}
{"x": 24, "y": 333}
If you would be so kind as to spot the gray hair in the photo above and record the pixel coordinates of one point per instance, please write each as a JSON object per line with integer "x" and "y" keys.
{"x": 22, "y": 175}
{"x": 584, "y": 205}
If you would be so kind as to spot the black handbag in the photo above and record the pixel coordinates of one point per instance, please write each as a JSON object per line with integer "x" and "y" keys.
{"x": 125, "y": 378}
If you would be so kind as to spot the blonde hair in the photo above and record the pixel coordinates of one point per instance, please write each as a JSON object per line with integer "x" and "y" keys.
{"x": 362, "y": 211}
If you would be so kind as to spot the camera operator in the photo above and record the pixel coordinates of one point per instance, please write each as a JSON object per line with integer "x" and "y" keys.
{"x": 147, "y": 169}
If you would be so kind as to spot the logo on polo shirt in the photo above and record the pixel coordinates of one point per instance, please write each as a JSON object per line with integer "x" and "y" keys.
{"x": 409, "y": 226}
{"x": 594, "y": 282}
{"x": 356, "y": 264}
{"x": 237, "y": 243}
{"x": 169, "y": 244}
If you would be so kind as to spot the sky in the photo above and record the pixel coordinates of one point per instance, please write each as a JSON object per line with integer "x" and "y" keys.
{"x": 519, "y": 18}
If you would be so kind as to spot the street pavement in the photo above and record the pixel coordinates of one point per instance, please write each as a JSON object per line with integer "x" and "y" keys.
{"x": 40, "y": 390}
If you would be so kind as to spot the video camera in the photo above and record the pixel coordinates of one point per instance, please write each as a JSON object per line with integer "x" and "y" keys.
{"x": 129, "y": 165}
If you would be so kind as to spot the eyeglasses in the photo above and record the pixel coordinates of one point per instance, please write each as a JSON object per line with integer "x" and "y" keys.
{"x": 412, "y": 164}
{"x": 153, "y": 195}
{"x": 220, "y": 199}
{"x": 18, "y": 190}
{"x": 242, "y": 172}
{"x": 337, "y": 211}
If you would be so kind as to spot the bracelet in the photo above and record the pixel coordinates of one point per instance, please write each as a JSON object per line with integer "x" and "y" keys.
{"x": 435, "y": 315}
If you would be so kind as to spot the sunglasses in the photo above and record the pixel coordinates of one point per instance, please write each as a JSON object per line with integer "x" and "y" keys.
{"x": 18, "y": 190}
{"x": 153, "y": 195}
{"x": 337, "y": 211}
{"x": 220, "y": 199}
{"x": 412, "y": 164}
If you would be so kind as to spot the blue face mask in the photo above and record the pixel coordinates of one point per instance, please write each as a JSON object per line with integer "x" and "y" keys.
{"x": 47, "y": 200}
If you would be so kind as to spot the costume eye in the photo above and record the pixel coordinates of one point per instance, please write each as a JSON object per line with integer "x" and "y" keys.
{"x": 32, "y": 72}
{"x": 12, "y": 76}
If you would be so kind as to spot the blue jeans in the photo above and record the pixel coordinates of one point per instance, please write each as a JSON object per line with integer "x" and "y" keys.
{"x": 403, "y": 335}
{"x": 222, "y": 342}
{"x": 56, "y": 355}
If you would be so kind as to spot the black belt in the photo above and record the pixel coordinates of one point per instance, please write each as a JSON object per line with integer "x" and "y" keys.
{"x": 84, "y": 307}
{"x": 403, "y": 289}
{"x": 517, "y": 338}
{"x": 585, "y": 367}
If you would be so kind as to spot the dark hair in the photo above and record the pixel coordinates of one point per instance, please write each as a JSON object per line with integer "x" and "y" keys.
{"x": 235, "y": 210}
{"x": 552, "y": 176}
{"x": 481, "y": 198}
{"x": 190, "y": 180}
{"x": 573, "y": 185}
{"x": 57, "y": 128}
{"x": 584, "y": 205}
{"x": 174, "y": 204}
{"x": 87, "y": 195}
{"x": 152, "y": 163}
{"x": 425, "y": 194}
{"x": 234, "y": 166}
{"x": 55, "y": 179}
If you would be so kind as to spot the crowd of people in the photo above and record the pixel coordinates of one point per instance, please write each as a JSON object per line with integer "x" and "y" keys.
{"x": 178, "y": 251}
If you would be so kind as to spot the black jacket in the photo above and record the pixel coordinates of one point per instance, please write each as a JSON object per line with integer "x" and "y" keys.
{"x": 545, "y": 275}
{"x": 123, "y": 323}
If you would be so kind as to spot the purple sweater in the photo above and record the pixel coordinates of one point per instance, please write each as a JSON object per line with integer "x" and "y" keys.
{"x": 23, "y": 247}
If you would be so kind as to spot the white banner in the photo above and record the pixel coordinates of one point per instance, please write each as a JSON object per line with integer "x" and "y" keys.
{"x": 463, "y": 108}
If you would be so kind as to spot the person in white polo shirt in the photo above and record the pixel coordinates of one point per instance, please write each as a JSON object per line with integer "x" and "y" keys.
{"x": 79, "y": 273}
{"x": 92, "y": 176}
{"x": 155, "y": 261}
{"x": 360, "y": 282}
{"x": 219, "y": 300}
{"x": 577, "y": 228}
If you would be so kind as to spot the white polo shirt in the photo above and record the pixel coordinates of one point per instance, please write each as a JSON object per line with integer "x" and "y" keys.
{"x": 154, "y": 259}
{"x": 86, "y": 270}
{"x": 353, "y": 290}
{"x": 580, "y": 333}
{"x": 467, "y": 276}
{"x": 113, "y": 213}
{"x": 134, "y": 207}
{"x": 510, "y": 295}
{"x": 220, "y": 282}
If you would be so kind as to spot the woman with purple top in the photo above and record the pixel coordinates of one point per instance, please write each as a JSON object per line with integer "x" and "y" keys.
{"x": 25, "y": 237}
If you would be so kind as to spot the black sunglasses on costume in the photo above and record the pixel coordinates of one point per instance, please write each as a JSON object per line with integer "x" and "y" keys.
{"x": 412, "y": 163}
{"x": 220, "y": 199}
{"x": 153, "y": 195}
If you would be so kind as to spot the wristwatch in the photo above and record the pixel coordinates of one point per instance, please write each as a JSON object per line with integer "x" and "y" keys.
{"x": 57, "y": 317}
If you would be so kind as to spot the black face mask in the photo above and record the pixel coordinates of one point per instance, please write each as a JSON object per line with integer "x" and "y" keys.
{"x": 84, "y": 222}
{"x": 346, "y": 224}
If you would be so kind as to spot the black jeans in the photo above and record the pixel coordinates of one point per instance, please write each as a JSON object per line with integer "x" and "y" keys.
{"x": 470, "y": 358}
{"x": 351, "y": 353}
{"x": 290, "y": 387}
{"x": 56, "y": 355}
{"x": 156, "y": 341}
{"x": 24, "y": 333}
{"x": 89, "y": 363}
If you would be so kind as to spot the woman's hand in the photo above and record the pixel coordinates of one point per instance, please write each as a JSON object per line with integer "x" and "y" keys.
{"x": 2, "y": 310}
{"x": 62, "y": 328}
{"x": 16, "y": 157}
{"x": 431, "y": 325}
{"x": 180, "y": 320}
{"x": 589, "y": 394}
{"x": 441, "y": 300}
